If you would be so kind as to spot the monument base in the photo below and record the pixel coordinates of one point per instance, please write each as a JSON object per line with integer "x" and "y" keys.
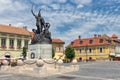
{"x": 37, "y": 51}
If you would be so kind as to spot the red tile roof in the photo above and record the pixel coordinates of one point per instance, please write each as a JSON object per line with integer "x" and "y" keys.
{"x": 86, "y": 42}
{"x": 57, "y": 41}
{"x": 32, "y": 34}
{"x": 114, "y": 36}
{"x": 13, "y": 30}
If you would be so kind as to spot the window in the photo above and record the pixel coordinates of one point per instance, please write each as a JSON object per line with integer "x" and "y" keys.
{"x": 80, "y": 50}
{"x": 81, "y": 42}
{"x": 94, "y": 50}
{"x": 18, "y": 43}
{"x": 86, "y": 48}
{"x": 91, "y": 41}
{"x": 26, "y": 43}
{"x": 90, "y": 50}
{"x": 59, "y": 48}
{"x": 3, "y": 43}
{"x": 101, "y": 50}
{"x": 108, "y": 41}
{"x": 11, "y": 43}
{"x": 54, "y": 49}
{"x": 101, "y": 41}
{"x": 3, "y": 34}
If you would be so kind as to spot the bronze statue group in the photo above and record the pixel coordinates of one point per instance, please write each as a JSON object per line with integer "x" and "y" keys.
{"x": 41, "y": 34}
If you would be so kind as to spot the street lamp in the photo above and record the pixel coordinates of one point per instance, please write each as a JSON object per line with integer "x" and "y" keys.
{"x": 86, "y": 48}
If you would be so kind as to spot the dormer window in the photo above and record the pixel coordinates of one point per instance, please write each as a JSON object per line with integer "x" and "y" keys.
{"x": 81, "y": 42}
{"x": 91, "y": 41}
{"x": 101, "y": 41}
{"x": 109, "y": 41}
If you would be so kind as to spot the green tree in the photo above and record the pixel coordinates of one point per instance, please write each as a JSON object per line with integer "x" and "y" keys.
{"x": 69, "y": 53}
{"x": 24, "y": 53}
{"x": 53, "y": 52}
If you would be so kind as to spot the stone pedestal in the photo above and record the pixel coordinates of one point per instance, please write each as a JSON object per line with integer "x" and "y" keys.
{"x": 36, "y": 51}
{"x": 4, "y": 68}
{"x": 36, "y": 70}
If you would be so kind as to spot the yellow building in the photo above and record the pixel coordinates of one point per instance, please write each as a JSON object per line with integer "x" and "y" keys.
{"x": 13, "y": 39}
{"x": 97, "y": 47}
{"x": 58, "y": 46}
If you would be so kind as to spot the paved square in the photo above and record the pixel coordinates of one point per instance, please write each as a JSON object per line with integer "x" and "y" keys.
{"x": 98, "y": 70}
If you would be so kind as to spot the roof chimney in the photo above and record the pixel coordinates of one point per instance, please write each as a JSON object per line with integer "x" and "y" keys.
{"x": 95, "y": 35}
{"x": 99, "y": 35}
{"x": 9, "y": 24}
{"x": 79, "y": 37}
{"x": 25, "y": 27}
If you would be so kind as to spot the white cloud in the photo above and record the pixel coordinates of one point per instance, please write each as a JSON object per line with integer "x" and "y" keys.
{"x": 10, "y": 5}
{"x": 85, "y": 1}
{"x": 81, "y": 1}
{"x": 4, "y": 4}
{"x": 20, "y": 24}
{"x": 47, "y": 2}
{"x": 62, "y": 1}
{"x": 55, "y": 6}
{"x": 68, "y": 7}
{"x": 45, "y": 7}
{"x": 42, "y": 1}
{"x": 80, "y": 6}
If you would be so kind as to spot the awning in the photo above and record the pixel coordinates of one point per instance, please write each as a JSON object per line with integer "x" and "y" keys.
{"x": 112, "y": 54}
{"x": 117, "y": 55}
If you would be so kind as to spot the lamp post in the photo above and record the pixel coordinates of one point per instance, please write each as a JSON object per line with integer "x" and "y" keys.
{"x": 86, "y": 48}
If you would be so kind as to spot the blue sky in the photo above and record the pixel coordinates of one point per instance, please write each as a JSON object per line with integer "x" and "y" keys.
{"x": 68, "y": 18}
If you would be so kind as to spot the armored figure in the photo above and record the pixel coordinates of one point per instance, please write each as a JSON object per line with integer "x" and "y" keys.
{"x": 40, "y": 23}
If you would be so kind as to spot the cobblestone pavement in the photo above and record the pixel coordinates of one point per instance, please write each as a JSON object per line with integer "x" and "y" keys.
{"x": 98, "y": 70}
